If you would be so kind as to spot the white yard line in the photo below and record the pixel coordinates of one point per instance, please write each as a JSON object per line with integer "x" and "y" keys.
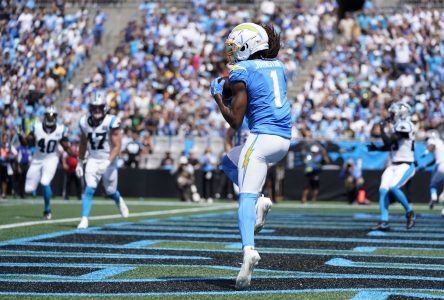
{"x": 325, "y": 205}
{"x": 102, "y": 202}
{"x": 142, "y": 214}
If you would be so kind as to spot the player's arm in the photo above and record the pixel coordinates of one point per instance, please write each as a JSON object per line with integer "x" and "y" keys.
{"x": 234, "y": 115}
{"x": 325, "y": 157}
{"x": 27, "y": 140}
{"x": 82, "y": 146}
{"x": 116, "y": 139}
{"x": 65, "y": 145}
{"x": 64, "y": 163}
{"x": 228, "y": 141}
{"x": 431, "y": 163}
{"x": 82, "y": 152}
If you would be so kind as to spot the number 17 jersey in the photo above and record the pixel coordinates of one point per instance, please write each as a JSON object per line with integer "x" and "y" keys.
{"x": 268, "y": 110}
{"x": 99, "y": 137}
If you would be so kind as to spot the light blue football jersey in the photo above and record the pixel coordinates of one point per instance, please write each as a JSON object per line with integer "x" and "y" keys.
{"x": 268, "y": 110}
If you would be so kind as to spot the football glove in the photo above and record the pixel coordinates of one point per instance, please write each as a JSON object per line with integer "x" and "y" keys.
{"x": 217, "y": 87}
{"x": 102, "y": 167}
{"x": 372, "y": 147}
{"x": 79, "y": 168}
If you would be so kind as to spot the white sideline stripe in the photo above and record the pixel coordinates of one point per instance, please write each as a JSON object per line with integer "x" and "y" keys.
{"x": 286, "y": 204}
{"x": 375, "y": 205}
{"x": 143, "y": 214}
{"x": 102, "y": 202}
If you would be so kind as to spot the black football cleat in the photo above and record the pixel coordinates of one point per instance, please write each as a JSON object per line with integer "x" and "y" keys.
{"x": 411, "y": 218}
{"x": 432, "y": 204}
{"x": 382, "y": 226}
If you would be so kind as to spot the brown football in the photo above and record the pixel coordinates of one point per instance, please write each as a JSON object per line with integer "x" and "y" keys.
{"x": 227, "y": 94}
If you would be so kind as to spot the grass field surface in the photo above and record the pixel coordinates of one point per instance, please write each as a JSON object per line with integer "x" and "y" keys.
{"x": 173, "y": 250}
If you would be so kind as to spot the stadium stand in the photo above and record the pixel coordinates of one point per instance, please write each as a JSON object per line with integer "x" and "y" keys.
{"x": 381, "y": 58}
{"x": 41, "y": 49}
{"x": 157, "y": 78}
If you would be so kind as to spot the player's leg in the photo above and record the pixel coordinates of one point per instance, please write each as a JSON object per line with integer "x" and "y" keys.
{"x": 263, "y": 204}
{"x": 91, "y": 180}
{"x": 384, "y": 200}
{"x": 402, "y": 174}
{"x": 49, "y": 169}
{"x": 256, "y": 153}
{"x": 230, "y": 162}
{"x": 252, "y": 170}
{"x": 434, "y": 184}
{"x": 33, "y": 176}
{"x": 439, "y": 179}
{"x": 109, "y": 179}
{"x": 315, "y": 186}
{"x": 250, "y": 161}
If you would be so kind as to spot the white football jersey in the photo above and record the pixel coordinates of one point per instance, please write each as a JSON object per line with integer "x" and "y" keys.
{"x": 99, "y": 138}
{"x": 439, "y": 149}
{"x": 403, "y": 150}
{"x": 46, "y": 142}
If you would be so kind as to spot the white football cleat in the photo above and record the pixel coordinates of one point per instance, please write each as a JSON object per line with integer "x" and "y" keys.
{"x": 441, "y": 197}
{"x": 442, "y": 212}
{"x": 83, "y": 223}
{"x": 123, "y": 208}
{"x": 47, "y": 216}
{"x": 263, "y": 206}
{"x": 251, "y": 259}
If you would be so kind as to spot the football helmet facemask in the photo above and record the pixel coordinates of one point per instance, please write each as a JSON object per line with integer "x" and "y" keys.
{"x": 97, "y": 106}
{"x": 243, "y": 41}
{"x": 50, "y": 117}
{"x": 399, "y": 111}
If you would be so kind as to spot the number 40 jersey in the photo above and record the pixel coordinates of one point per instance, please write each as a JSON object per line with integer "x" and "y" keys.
{"x": 46, "y": 142}
{"x": 99, "y": 141}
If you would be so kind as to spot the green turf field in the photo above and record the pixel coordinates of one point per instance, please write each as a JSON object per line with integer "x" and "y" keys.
{"x": 173, "y": 250}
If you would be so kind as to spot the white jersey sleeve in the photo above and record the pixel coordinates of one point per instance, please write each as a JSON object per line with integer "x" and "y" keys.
{"x": 46, "y": 142}
{"x": 438, "y": 153}
{"x": 403, "y": 150}
{"x": 99, "y": 137}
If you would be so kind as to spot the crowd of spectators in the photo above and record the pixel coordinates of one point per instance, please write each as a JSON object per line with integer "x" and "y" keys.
{"x": 381, "y": 57}
{"x": 158, "y": 77}
{"x": 157, "y": 80}
{"x": 40, "y": 50}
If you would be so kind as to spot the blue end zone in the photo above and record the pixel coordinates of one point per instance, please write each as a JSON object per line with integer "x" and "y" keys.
{"x": 358, "y": 253}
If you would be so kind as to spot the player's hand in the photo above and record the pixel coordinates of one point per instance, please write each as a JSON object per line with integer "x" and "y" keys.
{"x": 79, "y": 169}
{"x": 217, "y": 87}
{"x": 102, "y": 167}
{"x": 18, "y": 131}
{"x": 372, "y": 147}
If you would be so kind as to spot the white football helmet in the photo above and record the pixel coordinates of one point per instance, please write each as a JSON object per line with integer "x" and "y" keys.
{"x": 433, "y": 134}
{"x": 400, "y": 111}
{"x": 50, "y": 117}
{"x": 244, "y": 40}
{"x": 97, "y": 105}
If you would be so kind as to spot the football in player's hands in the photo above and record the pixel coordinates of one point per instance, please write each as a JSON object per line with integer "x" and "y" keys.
{"x": 227, "y": 94}
{"x": 372, "y": 147}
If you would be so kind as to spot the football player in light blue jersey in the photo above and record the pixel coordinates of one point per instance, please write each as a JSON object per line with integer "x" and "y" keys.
{"x": 258, "y": 83}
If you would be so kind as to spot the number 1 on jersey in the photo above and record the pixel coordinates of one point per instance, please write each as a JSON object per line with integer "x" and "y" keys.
{"x": 277, "y": 91}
